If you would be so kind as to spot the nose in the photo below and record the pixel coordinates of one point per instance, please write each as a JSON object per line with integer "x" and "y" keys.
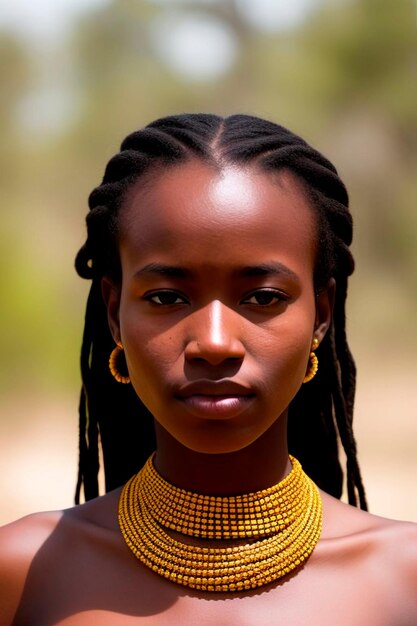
{"x": 214, "y": 335}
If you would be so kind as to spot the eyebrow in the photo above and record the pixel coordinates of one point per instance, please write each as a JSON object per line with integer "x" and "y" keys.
{"x": 269, "y": 269}
{"x": 263, "y": 269}
{"x": 173, "y": 271}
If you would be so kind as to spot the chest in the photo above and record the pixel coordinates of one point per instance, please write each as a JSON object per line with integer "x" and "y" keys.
{"x": 320, "y": 594}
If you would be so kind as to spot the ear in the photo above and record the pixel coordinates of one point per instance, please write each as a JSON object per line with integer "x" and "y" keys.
{"x": 324, "y": 309}
{"x": 111, "y": 296}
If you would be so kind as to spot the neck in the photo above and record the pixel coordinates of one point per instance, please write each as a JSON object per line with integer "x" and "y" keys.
{"x": 260, "y": 465}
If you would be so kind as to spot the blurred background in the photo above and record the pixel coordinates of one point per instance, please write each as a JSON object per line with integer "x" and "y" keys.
{"x": 78, "y": 75}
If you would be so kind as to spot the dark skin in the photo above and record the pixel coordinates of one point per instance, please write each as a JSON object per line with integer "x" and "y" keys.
{"x": 217, "y": 312}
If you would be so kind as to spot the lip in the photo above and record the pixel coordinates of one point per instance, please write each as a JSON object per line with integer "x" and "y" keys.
{"x": 215, "y": 399}
{"x": 214, "y": 388}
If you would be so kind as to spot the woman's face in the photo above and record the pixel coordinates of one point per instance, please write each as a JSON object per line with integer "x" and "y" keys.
{"x": 217, "y": 310}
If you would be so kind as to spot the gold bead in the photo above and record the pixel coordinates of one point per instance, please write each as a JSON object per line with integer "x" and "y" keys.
{"x": 284, "y": 523}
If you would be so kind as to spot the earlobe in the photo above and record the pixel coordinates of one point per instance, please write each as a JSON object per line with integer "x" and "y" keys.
{"x": 324, "y": 309}
{"x": 111, "y": 296}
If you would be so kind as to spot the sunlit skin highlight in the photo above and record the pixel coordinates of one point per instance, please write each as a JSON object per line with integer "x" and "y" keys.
{"x": 217, "y": 312}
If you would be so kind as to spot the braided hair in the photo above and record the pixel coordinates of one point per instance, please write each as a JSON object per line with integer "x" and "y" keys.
{"x": 321, "y": 413}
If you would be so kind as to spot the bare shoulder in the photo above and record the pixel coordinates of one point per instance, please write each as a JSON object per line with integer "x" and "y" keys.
{"x": 395, "y": 551}
{"x": 21, "y": 539}
{"x": 19, "y": 542}
{"x": 53, "y": 533}
{"x": 342, "y": 519}
{"x": 382, "y": 547}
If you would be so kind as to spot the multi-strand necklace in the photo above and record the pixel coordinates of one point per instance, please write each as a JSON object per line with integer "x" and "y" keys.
{"x": 282, "y": 525}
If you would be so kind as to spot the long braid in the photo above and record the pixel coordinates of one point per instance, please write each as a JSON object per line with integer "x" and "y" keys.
{"x": 322, "y": 411}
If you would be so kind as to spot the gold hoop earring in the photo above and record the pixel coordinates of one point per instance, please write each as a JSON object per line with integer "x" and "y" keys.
{"x": 313, "y": 362}
{"x": 125, "y": 380}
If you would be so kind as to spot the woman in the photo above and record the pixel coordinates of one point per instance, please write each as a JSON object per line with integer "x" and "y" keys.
{"x": 219, "y": 256}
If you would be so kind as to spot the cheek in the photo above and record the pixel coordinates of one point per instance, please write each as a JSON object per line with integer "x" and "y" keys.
{"x": 285, "y": 361}
{"x": 148, "y": 357}
{"x": 150, "y": 362}
{"x": 148, "y": 344}
{"x": 284, "y": 349}
{"x": 146, "y": 371}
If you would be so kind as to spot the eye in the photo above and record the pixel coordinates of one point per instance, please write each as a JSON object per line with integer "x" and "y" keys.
{"x": 265, "y": 297}
{"x": 165, "y": 297}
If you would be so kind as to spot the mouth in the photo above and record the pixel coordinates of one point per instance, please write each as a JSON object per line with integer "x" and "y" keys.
{"x": 215, "y": 399}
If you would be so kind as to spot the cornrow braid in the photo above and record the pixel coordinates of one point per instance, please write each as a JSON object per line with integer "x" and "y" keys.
{"x": 321, "y": 414}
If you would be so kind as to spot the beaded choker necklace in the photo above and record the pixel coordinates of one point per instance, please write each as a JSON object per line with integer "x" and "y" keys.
{"x": 282, "y": 524}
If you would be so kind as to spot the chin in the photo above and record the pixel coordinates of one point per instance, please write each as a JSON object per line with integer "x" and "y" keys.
{"x": 213, "y": 439}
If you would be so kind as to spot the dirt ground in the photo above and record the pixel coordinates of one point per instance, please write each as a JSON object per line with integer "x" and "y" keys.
{"x": 38, "y": 460}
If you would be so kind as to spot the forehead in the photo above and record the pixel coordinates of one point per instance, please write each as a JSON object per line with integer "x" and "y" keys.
{"x": 194, "y": 208}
